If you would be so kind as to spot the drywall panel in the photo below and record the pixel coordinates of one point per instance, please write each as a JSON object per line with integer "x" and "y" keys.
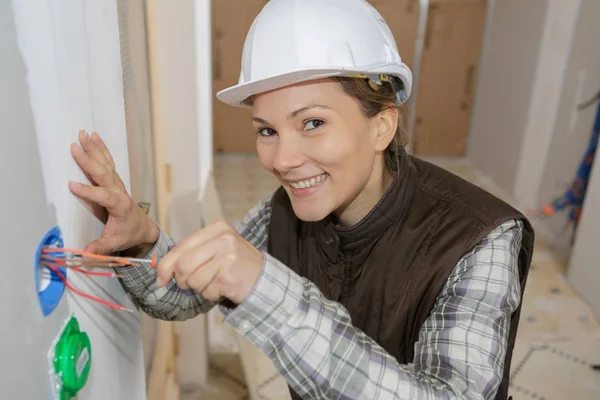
{"x": 26, "y": 334}
{"x": 584, "y": 268}
{"x": 180, "y": 108}
{"x": 573, "y": 128}
{"x": 204, "y": 90}
{"x": 74, "y": 78}
{"x": 548, "y": 84}
{"x": 508, "y": 67}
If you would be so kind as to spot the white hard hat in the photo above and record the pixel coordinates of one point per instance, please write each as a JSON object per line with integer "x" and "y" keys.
{"x": 292, "y": 41}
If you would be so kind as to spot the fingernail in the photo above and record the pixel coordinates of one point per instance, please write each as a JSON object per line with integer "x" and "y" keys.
{"x": 76, "y": 184}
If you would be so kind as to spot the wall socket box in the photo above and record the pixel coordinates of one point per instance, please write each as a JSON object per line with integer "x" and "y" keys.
{"x": 69, "y": 361}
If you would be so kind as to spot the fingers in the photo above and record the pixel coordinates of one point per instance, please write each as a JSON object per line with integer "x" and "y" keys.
{"x": 194, "y": 251}
{"x": 108, "y": 199}
{"x": 104, "y": 245}
{"x": 90, "y": 166}
{"x": 204, "y": 235}
{"x": 103, "y": 149}
{"x": 201, "y": 278}
{"x": 90, "y": 147}
{"x": 182, "y": 263}
{"x": 95, "y": 160}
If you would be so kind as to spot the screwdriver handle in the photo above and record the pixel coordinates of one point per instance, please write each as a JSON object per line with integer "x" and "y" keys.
{"x": 155, "y": 260}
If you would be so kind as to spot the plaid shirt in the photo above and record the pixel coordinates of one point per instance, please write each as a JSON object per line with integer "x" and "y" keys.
{"x": 315, "y": 347}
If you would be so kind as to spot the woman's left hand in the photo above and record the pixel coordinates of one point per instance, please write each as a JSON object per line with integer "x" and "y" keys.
{"x": 215, "y": 261}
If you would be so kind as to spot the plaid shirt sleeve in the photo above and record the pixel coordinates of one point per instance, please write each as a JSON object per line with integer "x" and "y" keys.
{"x": 175, "y": 304}
{"x": 255, "y": 226}
{"x": 169, "y": 302}
{"x": 315, "y": 347}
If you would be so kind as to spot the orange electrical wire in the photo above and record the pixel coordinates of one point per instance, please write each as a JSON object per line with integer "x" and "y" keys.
{"x": 80, "y": 293}
{"x": 62, "y": 263}
{"x": 96, "y": 273}
{"x": 78, "y": 262}
{"x": 120, "y": 260}
{"x": 125, "y": 261}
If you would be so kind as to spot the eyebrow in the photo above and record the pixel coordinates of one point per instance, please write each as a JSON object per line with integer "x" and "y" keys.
{"x": 295, "y": 113}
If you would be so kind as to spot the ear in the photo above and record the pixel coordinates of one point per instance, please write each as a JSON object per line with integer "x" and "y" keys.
{"x": 386, "y": 125}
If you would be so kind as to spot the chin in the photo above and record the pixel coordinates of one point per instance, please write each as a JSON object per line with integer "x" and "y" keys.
{"x": 310, "y": 213}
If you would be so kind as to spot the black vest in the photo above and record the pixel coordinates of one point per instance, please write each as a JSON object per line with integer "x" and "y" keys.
{"x": 389, "y": 269}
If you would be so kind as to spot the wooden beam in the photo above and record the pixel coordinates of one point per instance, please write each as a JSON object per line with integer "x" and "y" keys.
{"x": 163, "y": 169}
{"x": 211, "y": 207}
{"x": 163, "y": 362}
{"x": 163, "y": 375}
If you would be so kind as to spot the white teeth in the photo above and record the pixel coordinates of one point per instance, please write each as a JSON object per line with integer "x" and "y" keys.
{"x": 308, "y": 183}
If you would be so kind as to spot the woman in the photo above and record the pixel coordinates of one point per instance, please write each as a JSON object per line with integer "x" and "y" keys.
{"x": 369, "y": 274}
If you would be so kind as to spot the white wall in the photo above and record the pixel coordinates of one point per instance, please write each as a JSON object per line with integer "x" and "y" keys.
{"x": 540, "y": 61}
{"x": 26, "y": 335}
{"x": 508, "y": 67}
{"x": 72, "y": 60}
{"x": 184, "y": 49}
{"x": 181, "y": 86}
{"x": 204, "y": 73}
{"x": 584, "y": 268}
{"x": 572, "y": 129}
{"x": 550, "y": 75}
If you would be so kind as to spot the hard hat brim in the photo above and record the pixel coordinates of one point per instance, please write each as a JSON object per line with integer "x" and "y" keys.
{"x": 238, "y": 94}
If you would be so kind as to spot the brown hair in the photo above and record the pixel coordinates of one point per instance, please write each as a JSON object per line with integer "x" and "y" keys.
{"x": 372, "y": 102}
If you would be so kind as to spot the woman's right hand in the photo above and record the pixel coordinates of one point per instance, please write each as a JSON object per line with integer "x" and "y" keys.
{"x": 126, "y": 225}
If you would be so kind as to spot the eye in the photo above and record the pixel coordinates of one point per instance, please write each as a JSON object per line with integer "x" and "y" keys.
{"x": 266, "y": 132}
{"x": 314, "y": 124}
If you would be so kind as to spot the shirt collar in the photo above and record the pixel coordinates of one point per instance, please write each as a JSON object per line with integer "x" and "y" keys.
{"x": 392, "y": 206}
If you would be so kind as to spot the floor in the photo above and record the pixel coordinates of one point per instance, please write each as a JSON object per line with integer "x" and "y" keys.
{"x": 559, "y": 334}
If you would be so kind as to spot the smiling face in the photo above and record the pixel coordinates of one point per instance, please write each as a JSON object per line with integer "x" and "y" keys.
{"x": 327, "y": 154}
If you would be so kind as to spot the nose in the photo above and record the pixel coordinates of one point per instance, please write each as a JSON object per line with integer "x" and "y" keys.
{"x": 288, "y": 154}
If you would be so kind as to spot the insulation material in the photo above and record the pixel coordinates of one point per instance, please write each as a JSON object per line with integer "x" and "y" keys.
{"x": 72, "y": 55}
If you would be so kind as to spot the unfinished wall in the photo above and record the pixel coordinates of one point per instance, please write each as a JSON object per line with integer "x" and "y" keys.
{"x": 180, "y": 164}
{"x": 549, "y": 80}
{"x": 539, "y": 62}
{"x": 509, "y": 63}
{"x": 584, "y": 273}
{"x": 572, "y": 128}
{"x": 572, "y": 132}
